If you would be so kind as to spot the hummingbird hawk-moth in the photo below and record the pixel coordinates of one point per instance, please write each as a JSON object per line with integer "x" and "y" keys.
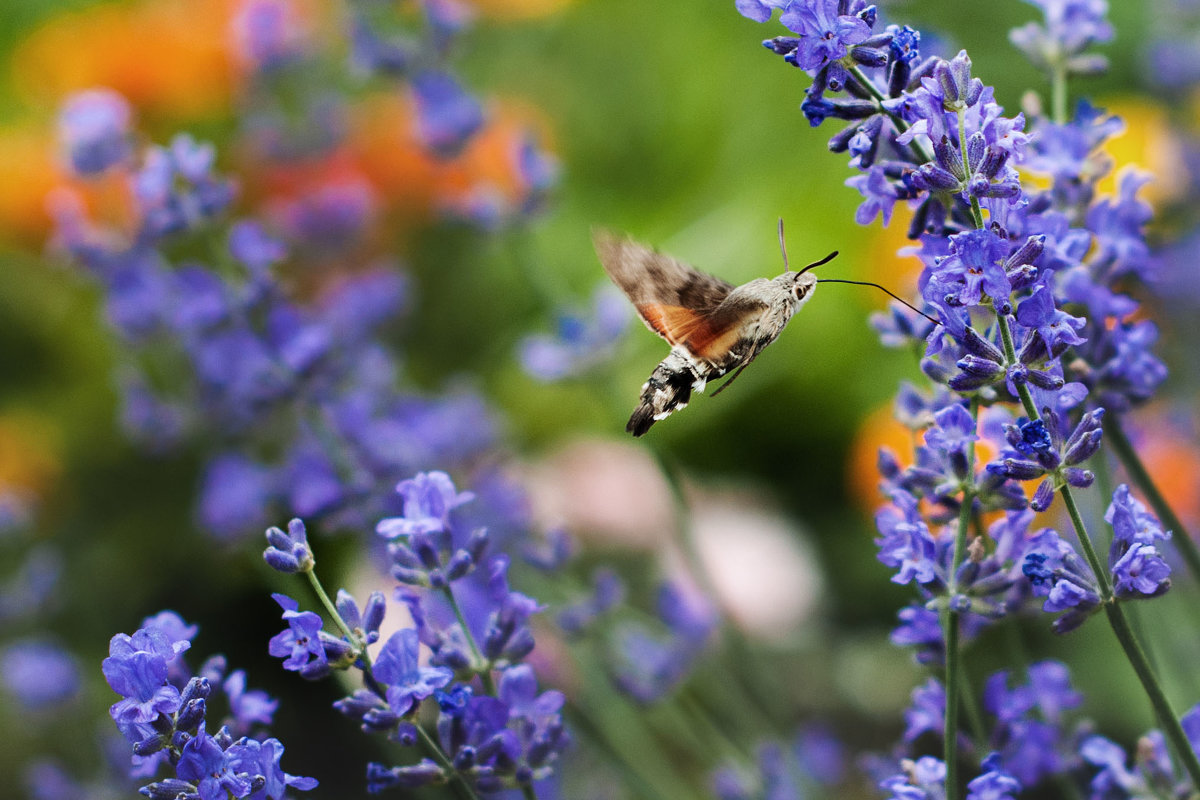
{"x": 714, "y": 328}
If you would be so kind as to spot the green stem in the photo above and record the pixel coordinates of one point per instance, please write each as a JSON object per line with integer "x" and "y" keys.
{"x": 331, "y": 609}
{"x": 1168, "y": 721}
{"x": 922, "y": 154}
{"x": 1114, "y": 434}
{"x": 481, "y": 664}
{"x": 732, "y": 639}
{"x": 430, "y": 745}
{"x": 1058, "y": 93}
{"x": 970, "y": 704}
{"x": 954, "y": 660}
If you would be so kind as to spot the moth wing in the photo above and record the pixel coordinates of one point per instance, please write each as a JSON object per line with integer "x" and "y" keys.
{"x": 673, "y": 299}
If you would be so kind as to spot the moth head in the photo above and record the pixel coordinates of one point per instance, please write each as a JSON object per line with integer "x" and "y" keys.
{"x": 801, "y": 283}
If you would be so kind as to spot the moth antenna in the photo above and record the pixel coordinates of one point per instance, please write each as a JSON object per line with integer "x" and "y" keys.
{"x": 880, "y": 288}
{"x": 783, "y": 247}
{"x": 824, "y": 260}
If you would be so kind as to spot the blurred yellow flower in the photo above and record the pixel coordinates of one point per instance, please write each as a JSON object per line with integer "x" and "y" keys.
{"x": 1147, "y": 143}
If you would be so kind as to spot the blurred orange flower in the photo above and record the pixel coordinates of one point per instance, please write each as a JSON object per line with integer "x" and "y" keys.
{"x": 167, "y": 57}
{"x": 29, "y": 460}
{"x": 517, "y": 9}
{"x": 1171, "y": 457}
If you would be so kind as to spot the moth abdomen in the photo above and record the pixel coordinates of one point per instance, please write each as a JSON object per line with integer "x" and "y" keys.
{"x": 668, "y": 389}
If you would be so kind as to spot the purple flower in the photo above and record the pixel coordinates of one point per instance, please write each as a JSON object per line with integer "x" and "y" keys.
{"x": 236, "y": 495}
{"x": 825, "y": 35}
{"x": 927, "y": 713}
{"x": 923, "y": 779}
{"x": 447, "y": 116}
{"x": 759, "y": 10}
{"x": 993, "y": 783}
{"x": 906, "y": 543}
{"x": 267, "y": 33}
{"x": 94, "y": 126}
{"x": 973, "y": 270}
{"x": 248, "y": 707}
{"x": 301, "y": 643}
{"x": 407, "y": 682}
{"x": 429, "y": 497}
{"x": 203, "y": 762}
{"x": 261, "y": 758}
{"x": 332, "y": 218}
{"x": 1138, "y": 570}
{"x": 1058, "y": 329}
{"x": 1071, "y": 26}
{"x": 289, "y": 552}
{"x": 1152, "y": 775}
{"x": 176, "y": 190}
{"x": 879, "y": 196}
{"x": 38, "y": 673}
{"x": 254, "y": 247}
{"x": 582, "y": 340}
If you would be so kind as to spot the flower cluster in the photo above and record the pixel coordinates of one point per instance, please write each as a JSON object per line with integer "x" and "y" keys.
{"x": 1137, "y": 569}
{"x": 580, "y": 340}
{"x": 307, "y": 382}
{"x": 164, "y": 714}
{"x": 492, "y": 732}
{"x": 1030, "y": 290}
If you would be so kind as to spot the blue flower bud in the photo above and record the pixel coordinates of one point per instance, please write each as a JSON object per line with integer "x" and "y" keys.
{"x": 170, "y": 789}
{"x": 1020, "y": 470}
{"x": 348, "y": 609}
{"x": 460, "y": 566}
{"x": 979, "y": 346}
{"x": 782, "y": 45}
{"x": 192, "y": 715}
{"x": 149, "y": 746}
{"x": 935, "y": 178}
{"x": 289, "y": 552}
{"x": 412, "y": 577}
{"x": 195, "y": 688}
{"x": 406, "y": 734}
{"x": 464, "y": 759}
{"x": 1081, "y": 448}
{"x": 949, "y": 158}
{"x": 373, "y": 615}
{"x": 1043, "y": 496}
{"x": 868, "y": 56}
{"x": 1045, "y": 380}
{"x": 379, "y": 719}
{"x": 1079, "y": 478}
{"x": 976, "y": 147}
{"x": 992, "y": 163}
{"x": 983, "y": 367}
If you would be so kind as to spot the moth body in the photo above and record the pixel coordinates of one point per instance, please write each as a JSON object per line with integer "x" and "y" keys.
{"x": 713, "y": 327}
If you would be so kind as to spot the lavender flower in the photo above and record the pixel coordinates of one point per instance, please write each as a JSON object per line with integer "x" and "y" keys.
{"x": 95, "y": 129}
{"x": 1138, "y": 569}
{"x": 1071, "y": 27}
{"x": 580, "y": 341}
{"x": 38, "y": 673}
{"x": 163, "y": 712}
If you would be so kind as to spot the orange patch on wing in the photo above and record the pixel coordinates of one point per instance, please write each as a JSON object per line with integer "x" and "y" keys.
{"x": 676, "y": 324}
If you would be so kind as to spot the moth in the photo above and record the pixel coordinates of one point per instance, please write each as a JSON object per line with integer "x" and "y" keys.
{"x": 714, "y": 328}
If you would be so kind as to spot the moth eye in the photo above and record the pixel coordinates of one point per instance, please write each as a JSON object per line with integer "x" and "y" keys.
{"x": 800, "y": 290}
